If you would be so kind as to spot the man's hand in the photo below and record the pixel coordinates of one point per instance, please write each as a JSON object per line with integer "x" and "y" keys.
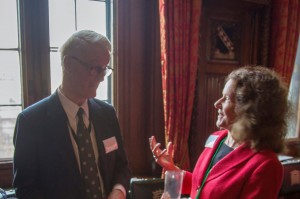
{"x": 116, "y": 194}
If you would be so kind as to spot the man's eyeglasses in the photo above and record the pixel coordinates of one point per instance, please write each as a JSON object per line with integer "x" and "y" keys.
{"x": 106, "y": 71}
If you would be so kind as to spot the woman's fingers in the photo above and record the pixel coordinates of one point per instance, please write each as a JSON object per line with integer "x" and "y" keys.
{"x": 170, "y": 148}
{"x": 156, "y": 150}
{"x": 152, "y": 142}
{"x": 161, "y": 153}
{"x": 163, "y": 157}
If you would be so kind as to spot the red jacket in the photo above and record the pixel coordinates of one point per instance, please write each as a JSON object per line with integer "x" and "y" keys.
{"x": 242, "y": 174}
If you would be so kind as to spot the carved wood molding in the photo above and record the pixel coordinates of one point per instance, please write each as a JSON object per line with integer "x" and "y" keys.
{"x": 262, "y": 2}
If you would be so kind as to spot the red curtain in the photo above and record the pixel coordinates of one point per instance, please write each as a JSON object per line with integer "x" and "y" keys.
{"x": 284, "y": 38}
{"x": 179, "y": 26}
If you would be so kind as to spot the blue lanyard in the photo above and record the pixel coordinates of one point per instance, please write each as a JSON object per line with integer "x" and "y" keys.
{"x": 209, "y": 168}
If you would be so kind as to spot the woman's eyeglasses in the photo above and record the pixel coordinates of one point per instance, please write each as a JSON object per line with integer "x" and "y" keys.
{"x": 106, "y": 71}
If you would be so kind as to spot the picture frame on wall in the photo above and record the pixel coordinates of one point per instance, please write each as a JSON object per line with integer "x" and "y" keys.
{"x": 225, "y": 41}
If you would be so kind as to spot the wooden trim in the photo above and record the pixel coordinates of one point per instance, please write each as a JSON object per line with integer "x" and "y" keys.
{"x": 139, "y": 102}
{"x": 35, "y": 57}
{"x": 293, "y": 147}
{"x": 262, "y": 2}
{"x": 6, "y": 173}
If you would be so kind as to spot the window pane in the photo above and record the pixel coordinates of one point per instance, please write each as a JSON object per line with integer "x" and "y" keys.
{"x": 8, "y": 24}
{"x": 8, "y": 117}
{"x": 10, "y": 84}
{"x": 91, "y": 15}
{"x": 61, "y": 20}
{"x": 102, "y": 90}
{"x": 56, "y": 70}
{"x": 294, "y": 98}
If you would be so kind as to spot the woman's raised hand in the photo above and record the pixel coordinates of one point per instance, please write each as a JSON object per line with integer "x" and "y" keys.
{"x": 163, "y": 157}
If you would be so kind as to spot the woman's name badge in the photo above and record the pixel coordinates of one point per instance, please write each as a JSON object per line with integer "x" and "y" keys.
{"x": 211, "y": 140}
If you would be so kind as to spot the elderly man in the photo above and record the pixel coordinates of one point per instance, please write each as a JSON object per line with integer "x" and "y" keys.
{"x": 69, "y": 145}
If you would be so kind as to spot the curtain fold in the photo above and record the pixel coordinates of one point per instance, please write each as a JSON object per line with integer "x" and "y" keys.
{"x": 284, "y": 37}
{"x": 179, "y": 32}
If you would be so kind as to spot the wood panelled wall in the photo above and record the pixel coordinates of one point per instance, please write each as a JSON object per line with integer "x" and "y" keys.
{"x": 138, "y": 90}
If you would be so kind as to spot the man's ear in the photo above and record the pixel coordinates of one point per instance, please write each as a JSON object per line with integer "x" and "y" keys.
{"x": 66, "y": 63}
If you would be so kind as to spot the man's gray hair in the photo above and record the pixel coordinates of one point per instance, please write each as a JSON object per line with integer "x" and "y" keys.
{"x": 80, "y": 40}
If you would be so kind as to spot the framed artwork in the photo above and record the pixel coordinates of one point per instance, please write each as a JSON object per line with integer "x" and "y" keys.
{"x": 225, "y": 41}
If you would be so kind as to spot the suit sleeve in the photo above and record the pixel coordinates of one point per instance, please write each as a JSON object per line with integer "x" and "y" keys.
{"x": 25, "y": 163}
{"x": 265, "y": 181}
{"x": 187, "y": 183}
{"x": 122, "y": 172}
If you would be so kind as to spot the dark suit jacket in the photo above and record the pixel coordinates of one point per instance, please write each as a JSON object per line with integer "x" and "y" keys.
{"x": 45, "y": 165}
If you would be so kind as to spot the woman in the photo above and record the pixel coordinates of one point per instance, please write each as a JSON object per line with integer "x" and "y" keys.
{"x": 240, "y": 160}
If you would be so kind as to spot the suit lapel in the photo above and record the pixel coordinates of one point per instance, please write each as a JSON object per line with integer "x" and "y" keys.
{"x": 208, "y": 153}
{"x": 236, "y": 157}
{"x": 59, "y": 131}
{"x": 99, "y": 122}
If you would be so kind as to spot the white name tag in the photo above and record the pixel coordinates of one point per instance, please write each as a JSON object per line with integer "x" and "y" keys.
{"x": 110, "y": 144}
{"x": 211, "y": 140}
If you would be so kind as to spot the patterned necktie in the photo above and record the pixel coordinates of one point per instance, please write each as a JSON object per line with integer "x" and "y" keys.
{"x": 89, "y": 171}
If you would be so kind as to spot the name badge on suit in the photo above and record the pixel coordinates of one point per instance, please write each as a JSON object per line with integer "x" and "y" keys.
{"x": 211, "y": 140}
{"x": 110, "y": 144}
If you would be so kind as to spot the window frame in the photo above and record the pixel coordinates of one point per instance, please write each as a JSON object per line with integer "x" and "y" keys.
{"x": 19, "y": 104}
{"x": 109, "y": 31}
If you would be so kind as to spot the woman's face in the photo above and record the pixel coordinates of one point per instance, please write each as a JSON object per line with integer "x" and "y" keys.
{"x": 225, "y": 106}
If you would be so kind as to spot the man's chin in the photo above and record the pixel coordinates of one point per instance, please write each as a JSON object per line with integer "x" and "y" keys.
{"x": 92, "y": 94}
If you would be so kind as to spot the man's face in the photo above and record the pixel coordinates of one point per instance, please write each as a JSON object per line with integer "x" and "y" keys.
{"x": 88, "y": 71}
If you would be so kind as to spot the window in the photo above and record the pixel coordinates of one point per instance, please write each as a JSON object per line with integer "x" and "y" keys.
{"x": 36, "y": 72}
{"x": 67, "y": 16}
{"x": 294, "y": 98}
{"x": 10, "y": 81}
